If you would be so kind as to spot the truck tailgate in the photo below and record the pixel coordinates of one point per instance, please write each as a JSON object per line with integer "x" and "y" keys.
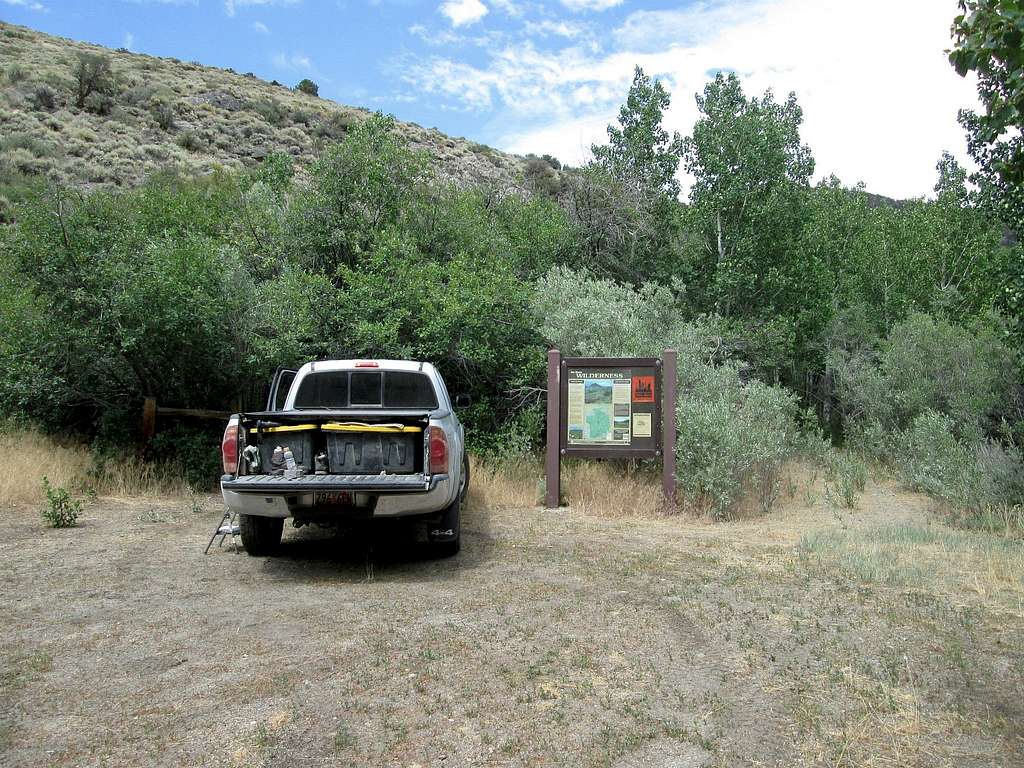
{"x": 310, "y": 483}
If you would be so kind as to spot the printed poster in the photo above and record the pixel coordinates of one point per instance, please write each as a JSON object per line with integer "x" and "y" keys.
{"x": 643, "y": 389}
{"x": 599, "y": 409}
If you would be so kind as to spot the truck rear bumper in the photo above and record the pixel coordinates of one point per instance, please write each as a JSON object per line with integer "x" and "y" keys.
{"x": 394, "y": 495}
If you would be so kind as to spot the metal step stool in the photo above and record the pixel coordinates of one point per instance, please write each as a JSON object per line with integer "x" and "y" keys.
{"x": 228, "y": 526}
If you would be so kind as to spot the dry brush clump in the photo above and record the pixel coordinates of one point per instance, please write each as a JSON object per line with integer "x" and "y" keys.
{"x": 613, "y": 489}
{"x": 30, "y": 457}
{"x": 599, "y": 488}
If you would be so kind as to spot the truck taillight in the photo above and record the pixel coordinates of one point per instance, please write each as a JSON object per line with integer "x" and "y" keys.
{"x": 229, "y": 448}
{"x": 438, "y": 449}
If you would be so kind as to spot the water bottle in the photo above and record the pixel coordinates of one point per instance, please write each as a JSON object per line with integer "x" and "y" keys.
{"x": 289, "y": 459}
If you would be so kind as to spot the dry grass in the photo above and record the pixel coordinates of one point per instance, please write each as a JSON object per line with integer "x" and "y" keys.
{"x": 915, "y": 554}
{"x": 595, "y": 488}
{"x": 131, "y": 476}
{"x": 29, "y": 455}
{"x": 510, "y": 484}
{"x": 611, "y": 490}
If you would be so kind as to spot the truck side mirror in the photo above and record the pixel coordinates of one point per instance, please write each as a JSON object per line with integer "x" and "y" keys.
{"x": 463, "y": 401}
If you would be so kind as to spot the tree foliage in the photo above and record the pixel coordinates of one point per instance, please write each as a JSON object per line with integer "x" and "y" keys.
{"x": 989, "y": 41}
{"x": 189, "y": 290}
{"x": 308, "y": 86}
{"x": 93, "y": 75}
{"x": 626, "y": 201}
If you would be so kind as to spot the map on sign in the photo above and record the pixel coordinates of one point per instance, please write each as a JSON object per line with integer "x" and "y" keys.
{"x": 599, "y": 408}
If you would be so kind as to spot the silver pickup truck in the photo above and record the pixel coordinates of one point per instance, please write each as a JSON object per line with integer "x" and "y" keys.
{"x": 347, "y": 440}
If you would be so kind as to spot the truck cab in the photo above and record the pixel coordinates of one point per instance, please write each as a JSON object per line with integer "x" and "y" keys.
{"x": 346, "y": 440}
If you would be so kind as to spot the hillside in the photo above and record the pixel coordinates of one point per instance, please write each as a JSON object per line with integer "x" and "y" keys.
{"x": 152, "y": 113}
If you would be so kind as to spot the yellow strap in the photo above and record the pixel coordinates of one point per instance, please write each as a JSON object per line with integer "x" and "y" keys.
{"x": 369, "y": 428}
{"x": 288, "y": 428}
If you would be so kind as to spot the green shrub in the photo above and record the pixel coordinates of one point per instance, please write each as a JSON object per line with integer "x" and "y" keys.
{"x": 970, "y": 476}
{"x": 517, "y": 441}
{"x": 139, "y": 94}
{"x": 733, "y": 440}
{"x": 190, "y": 140}
{"x": 99, "y": 103}
{"x": 44, "y": 98}
{"x": 846, "y": 477}
{"x": 194, "y": 450}
{"x": 93, "y": 74}
{"x": 36, "y": 146}
{"x": 60, "y": 511}
{"x": 335, "y": 126}
{"x": 541, "y": 177}
{"x": 21, "y": 161}
{"x": 925, "y": 364}
{"x": 15, "y": 73}
{"x": 931, "y": 459}
{"x": 270, "y": 110}
{"x": 163, "y": 112}
{"x": 303, "y": 117}
{"x": 308, "y": 86}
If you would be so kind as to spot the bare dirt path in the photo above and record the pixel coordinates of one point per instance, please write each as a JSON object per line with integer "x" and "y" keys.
{"x": 555, "y": 639}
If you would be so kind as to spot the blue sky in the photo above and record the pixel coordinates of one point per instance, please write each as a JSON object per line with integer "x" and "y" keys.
{"x": 879, "y": 98}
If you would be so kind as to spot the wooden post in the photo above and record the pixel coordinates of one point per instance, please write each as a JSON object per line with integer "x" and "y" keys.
{"x": 670, "y": 382}
{"x": 552, "y": 468}
{"x": 148, "y": 420}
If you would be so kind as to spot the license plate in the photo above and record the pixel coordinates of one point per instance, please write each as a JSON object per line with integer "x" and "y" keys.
{"x": 332, "y": 498}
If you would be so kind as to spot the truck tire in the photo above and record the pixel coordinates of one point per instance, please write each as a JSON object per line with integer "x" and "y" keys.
{"x": 260, "y": 535}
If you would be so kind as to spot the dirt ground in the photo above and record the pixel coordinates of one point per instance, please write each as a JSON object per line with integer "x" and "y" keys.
{"x": 813, "y": 636}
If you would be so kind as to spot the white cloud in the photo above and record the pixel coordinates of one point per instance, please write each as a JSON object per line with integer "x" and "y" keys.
{"x": 879, "y": 99}
{"x": 654, "y": 30}
{"x": 231, "y": 6}
{"x": 259, "y": 26}
{"x": 510, "y": 7}
{"x": 461, "y": 12}
{"x": 590, "y": 5}
{"x": 128, "y": 41}
{"x": 491, "y": 39}
{"x": 31, "y": 5}
{"x": 550, "y": 28}
{"x": 294, "y": 62}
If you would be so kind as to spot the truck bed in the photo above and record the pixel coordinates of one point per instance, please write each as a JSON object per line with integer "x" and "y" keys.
{"x": 357, "y": 445}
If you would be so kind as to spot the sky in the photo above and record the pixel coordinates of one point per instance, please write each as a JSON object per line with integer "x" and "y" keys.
{"x": 879, "y": 97}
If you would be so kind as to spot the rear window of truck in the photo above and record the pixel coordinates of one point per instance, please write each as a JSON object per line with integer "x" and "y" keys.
{"x": 353, "y": 389}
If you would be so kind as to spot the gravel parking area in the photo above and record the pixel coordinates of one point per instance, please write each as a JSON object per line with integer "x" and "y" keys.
{"x": 810, "y": 637}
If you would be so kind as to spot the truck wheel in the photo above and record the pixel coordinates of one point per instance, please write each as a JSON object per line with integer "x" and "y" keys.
{"x": 260, "y": 535}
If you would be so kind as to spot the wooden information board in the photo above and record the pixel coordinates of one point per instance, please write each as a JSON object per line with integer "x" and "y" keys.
{"x": 610, "y": 407}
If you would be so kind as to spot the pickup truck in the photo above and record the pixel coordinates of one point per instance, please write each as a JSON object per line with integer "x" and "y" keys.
{"x": 348, "y": 440}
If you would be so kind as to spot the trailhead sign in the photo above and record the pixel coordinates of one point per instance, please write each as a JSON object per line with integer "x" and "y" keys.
{"x": 610, "y": 407}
